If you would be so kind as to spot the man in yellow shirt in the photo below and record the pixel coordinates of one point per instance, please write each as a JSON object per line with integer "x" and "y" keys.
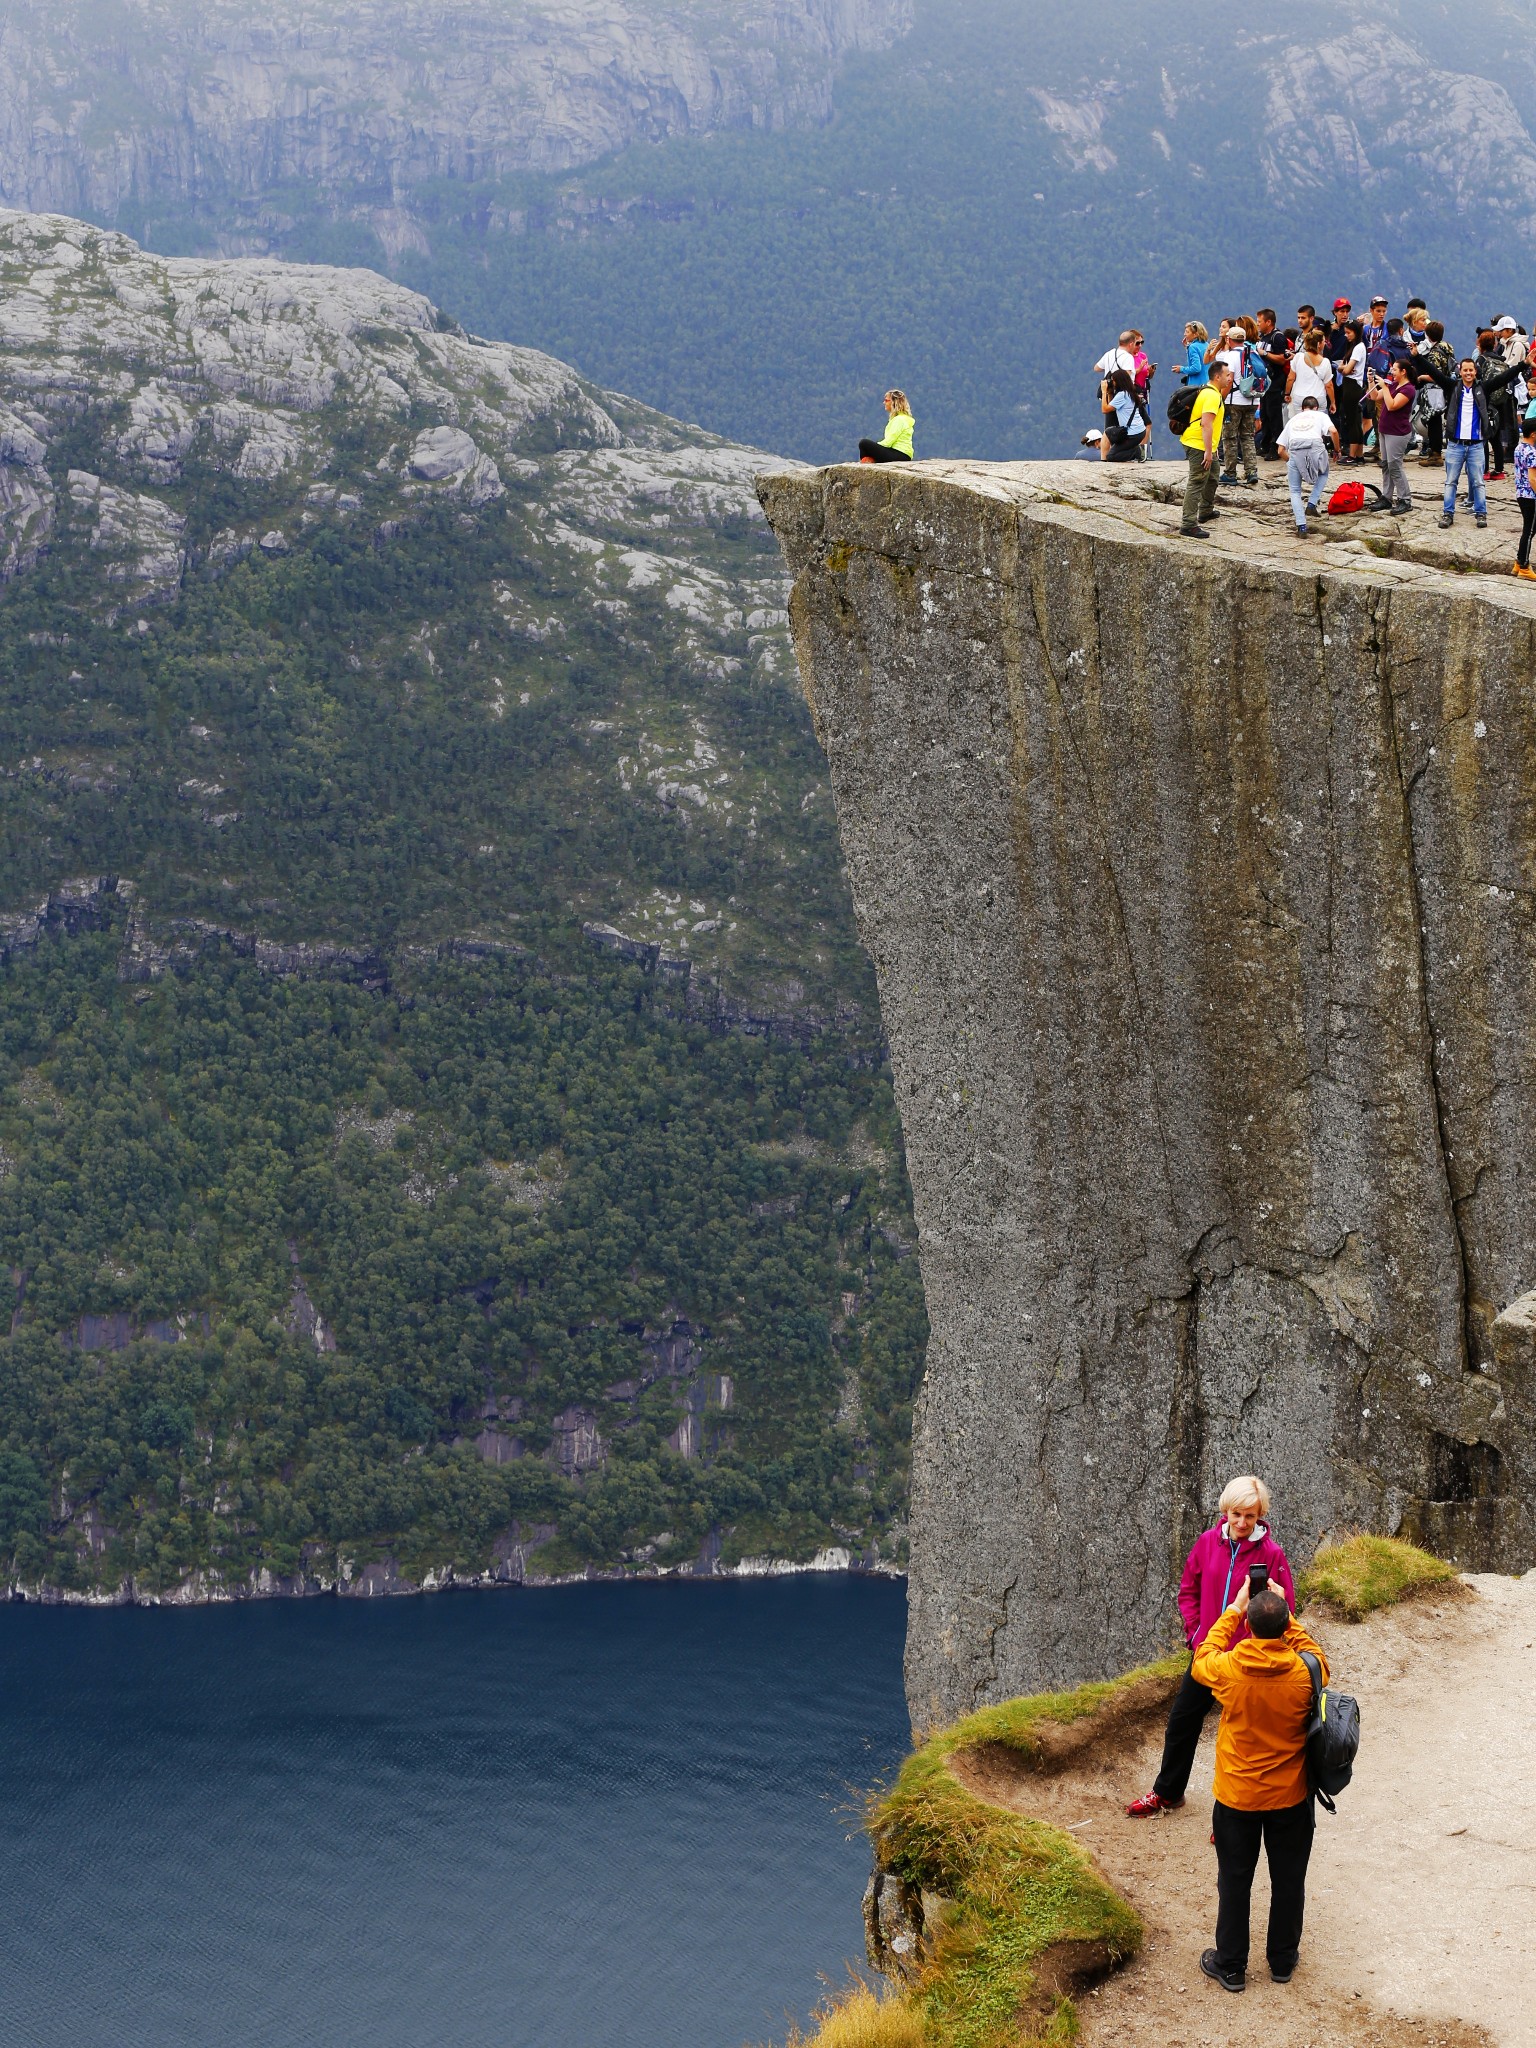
{"x": 1263, "y": 1796}
{"x": 1201, "y": 441}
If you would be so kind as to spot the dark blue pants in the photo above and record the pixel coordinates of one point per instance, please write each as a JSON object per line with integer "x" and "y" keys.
{"x": 1286, "y": 1835}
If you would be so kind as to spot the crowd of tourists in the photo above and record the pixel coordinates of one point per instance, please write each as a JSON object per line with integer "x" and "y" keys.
{"x": 1338, "y": 391}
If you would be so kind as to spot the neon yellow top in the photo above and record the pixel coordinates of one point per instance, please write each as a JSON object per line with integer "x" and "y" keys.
{"x": 898, "y": 434}
{"x": 1207, "y": 399}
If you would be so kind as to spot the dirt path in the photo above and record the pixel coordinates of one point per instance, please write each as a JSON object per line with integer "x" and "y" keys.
{"x": 1421, "y": 1902}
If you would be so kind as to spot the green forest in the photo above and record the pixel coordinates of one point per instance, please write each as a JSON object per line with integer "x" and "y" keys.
{"x": 494, "y": 1182}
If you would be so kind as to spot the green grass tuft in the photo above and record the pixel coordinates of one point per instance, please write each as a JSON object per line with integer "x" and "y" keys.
{"x": 1020, "y": 1889}
{"x": 1362, "y": 1573}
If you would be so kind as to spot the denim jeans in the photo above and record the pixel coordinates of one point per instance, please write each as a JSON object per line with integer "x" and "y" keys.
{"x": 1299, "y": 481}
{"x": 1468, "y": 456}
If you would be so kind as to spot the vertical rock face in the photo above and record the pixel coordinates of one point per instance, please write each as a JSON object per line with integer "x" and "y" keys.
{"x": 1201, "y": 887}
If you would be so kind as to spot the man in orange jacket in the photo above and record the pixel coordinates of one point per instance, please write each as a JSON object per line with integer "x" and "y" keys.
{"x": 1262, "y": 1791}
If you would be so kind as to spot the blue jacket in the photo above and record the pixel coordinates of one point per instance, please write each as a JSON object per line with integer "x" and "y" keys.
{"x": 1194, "y": 373}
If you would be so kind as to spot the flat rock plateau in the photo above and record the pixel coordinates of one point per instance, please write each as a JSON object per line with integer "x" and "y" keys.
{"x": 1200, "y": 882}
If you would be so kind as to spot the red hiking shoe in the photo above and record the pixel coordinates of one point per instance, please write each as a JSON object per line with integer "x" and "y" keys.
{"x": 1152, "y": 1802}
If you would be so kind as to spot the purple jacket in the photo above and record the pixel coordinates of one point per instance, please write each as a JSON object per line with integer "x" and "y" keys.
{"x": 1214, "y": 1571}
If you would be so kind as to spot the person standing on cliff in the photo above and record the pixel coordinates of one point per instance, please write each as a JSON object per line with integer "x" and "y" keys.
{"x": 1217, "y": 1564}
{"x": 1275, "y": 353}
{"x": 1200, "y": 441}
{"x": 895, "y": 444}
{"x": 1251, "y": 1660}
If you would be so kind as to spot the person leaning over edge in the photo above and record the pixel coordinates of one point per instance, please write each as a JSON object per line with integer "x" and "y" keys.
{"x": 1219, "y": 1560}
{"x": 1263, "y": 1795}
{"x": 1200, "y": 441}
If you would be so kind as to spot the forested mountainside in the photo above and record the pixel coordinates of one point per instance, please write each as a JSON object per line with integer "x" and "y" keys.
{"x": 443, "y": 1120}
{"x": 809, "y": 204}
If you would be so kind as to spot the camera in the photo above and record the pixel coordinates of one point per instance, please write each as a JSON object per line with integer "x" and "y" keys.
{"x": 1258, "y": 1578}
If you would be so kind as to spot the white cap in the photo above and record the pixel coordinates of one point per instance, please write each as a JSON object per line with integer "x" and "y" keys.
{"x": 1504, "y": 326}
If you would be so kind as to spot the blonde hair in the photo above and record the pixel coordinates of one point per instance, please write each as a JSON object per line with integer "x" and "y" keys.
{"x": 898, "y": 399}
{"x": 1197, "y": 329}
{"x": 1245, "y": 1492}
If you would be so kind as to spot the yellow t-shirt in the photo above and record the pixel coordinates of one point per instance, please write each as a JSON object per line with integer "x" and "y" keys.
{"x": 1207, "y": 399}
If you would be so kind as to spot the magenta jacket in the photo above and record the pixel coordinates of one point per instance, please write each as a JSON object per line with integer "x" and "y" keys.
{"x": 1214, "y": 1571}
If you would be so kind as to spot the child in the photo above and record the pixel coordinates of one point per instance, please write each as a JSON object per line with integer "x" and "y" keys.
{"x": 1525, "y": 493}
{"x": 895, "y": 444}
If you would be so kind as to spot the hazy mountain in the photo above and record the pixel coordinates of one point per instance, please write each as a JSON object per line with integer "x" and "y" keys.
{"x": 441, "y": 1102}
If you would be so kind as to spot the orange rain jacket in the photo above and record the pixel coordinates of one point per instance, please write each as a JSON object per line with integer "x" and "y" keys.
{"x": 1265, "y": 1697}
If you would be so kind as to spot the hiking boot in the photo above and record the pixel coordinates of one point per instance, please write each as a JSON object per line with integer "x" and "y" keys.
{"x": 1229, "y": 1980}
{"x": 1227, "y": 476}
{"x": 1194, "y": 533}
{"x": 1154, "y": 1802}
{"x": 1482, "y": 518}
{"x": 1528, "y": 573}
{"x": 1214, "y": 513}
{"x": 1446, "y": 519}
{"x": 1301, "y": 533}
{"x": 1397, "y": 511}
{"x": 1281, "y": 1973}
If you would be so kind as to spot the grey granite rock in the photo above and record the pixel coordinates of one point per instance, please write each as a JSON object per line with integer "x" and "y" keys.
{"x": 1200, "y": 880}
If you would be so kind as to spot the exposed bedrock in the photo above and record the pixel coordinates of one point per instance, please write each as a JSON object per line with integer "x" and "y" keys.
{"x": 1200, "y": 880}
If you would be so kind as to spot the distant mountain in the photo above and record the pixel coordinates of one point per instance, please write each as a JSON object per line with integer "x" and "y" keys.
{"x": 971, "y": 208}
{"x": 443, "y": 1129}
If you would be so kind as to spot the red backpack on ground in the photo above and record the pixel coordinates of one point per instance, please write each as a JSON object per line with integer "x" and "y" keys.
{"x": 1349, "y": 497}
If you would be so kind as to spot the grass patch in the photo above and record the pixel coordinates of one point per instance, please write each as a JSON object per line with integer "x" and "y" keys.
{"x": 1363, "y": 1573}
{"x": 864, "y": 2018}
{"x": 1029, "y": 1915}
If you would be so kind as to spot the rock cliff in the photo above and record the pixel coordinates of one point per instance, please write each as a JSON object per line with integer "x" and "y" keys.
{"x": 218, "y": 101}
{"x": 1200, "y": 882}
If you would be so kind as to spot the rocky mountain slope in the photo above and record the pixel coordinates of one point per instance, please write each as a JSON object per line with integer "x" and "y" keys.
{"x": 1199, "y": 883}
{"x": 212, "y": 102}
{"x": 441, "y": 1098}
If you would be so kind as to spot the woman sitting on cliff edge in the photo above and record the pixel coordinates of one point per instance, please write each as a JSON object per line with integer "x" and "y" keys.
{"x": 1216, "y": 1567}
{"x": 895, "y": 445}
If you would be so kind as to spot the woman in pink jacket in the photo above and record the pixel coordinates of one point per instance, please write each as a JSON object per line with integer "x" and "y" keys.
{"x": 1216, "y": 1567}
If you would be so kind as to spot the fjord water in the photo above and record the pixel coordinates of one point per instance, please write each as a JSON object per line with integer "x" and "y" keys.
{"x": 590, "y": 1817}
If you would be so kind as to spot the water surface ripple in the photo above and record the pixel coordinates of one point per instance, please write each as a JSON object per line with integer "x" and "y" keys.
{"x": 590, "y": 1817}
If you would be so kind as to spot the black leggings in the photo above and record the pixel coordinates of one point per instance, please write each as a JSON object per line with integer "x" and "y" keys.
{"x": 876, "y": 451}
{"x": 1186, "y": 1717}
{"x": 1527, "y": 522}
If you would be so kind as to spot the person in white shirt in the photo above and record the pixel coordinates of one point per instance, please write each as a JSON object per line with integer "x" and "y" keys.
{"x": 1311, "y": 375}
{"x": 1121, "y": 357}
{"x": 1306, "y": 438}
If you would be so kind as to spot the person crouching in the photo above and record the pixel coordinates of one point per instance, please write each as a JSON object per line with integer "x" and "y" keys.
{"x": 1218, "y": 1563}
{"x": 1263, "y": 1796}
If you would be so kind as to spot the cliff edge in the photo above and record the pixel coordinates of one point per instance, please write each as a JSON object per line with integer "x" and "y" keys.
{"x": 1200, "y": 881}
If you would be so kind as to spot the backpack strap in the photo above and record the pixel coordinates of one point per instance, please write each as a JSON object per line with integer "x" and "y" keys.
{"x": 1315, "y": 1673}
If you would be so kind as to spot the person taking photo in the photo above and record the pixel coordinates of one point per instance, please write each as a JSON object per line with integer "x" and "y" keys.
{"x": 1263, "y": 1792}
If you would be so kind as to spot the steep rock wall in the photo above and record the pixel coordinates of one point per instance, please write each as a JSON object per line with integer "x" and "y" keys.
{"x": 1201, "y": 888}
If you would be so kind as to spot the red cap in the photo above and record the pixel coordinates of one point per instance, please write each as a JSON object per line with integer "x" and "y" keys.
{"x": 1341, "y": 304}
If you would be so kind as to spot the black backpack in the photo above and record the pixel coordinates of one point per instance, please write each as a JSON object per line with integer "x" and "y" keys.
{"x": 1181, "y": 408}
{"x": 1333, "y": 1736}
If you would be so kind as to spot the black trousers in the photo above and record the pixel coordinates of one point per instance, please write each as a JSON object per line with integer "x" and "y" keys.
{"x": 1527, "y": 522}
{"x": 1286, "y": 1835}
{"x": 877, "y": 453}
{"x": 1186, "y": 1717}
{"x": 1271, "y": 414}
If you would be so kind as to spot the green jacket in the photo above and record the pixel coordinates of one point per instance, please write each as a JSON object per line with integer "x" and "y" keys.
{"x": 898, "y": 434}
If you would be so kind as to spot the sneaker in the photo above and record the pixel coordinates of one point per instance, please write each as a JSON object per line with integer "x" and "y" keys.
{"x": 1194, "y": 533}
{"x": 1251, "y": 479}
{"x": 1301, "y": 533}
{"x": 1282, "y": 1976}
{"x": 1482, "y": 518}
{"x": 1227, "y": 476}
{"x": 1494, "y": 476}
{"x": 1154, "y": 1802}
{"x": 1446, "y": 519}
{"x": 1229, "y": 1980}
{"x": 1528, "y": 574}
{"x": 1397, "y": 511}
{"x": 1214, "y": 513}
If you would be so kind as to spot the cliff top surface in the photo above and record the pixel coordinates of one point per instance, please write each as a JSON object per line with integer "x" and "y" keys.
{"x": 1255, "y": 522}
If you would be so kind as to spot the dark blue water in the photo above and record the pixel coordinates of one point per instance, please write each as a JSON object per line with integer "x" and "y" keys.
{"x": 595, "y": 1817}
